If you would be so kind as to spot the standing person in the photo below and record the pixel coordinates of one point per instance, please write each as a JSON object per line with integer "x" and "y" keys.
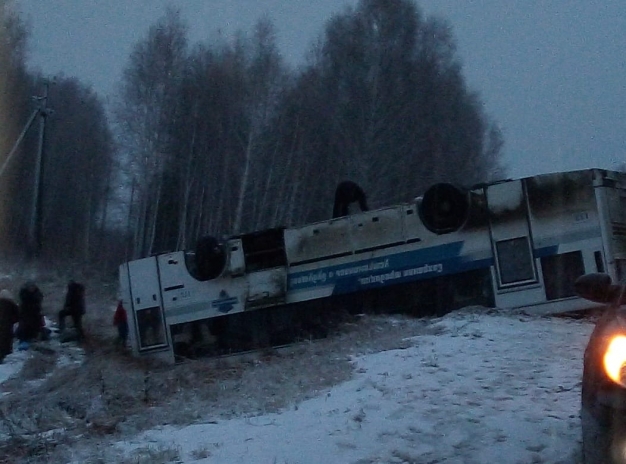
{"x": 74, "y": 307}
{"x": 120, "y": 320}
{"x": 30, "y": 319}
{"x": 9, "y": 315}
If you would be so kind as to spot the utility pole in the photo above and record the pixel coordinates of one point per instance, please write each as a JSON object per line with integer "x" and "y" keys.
{"x": 35, "y": 228}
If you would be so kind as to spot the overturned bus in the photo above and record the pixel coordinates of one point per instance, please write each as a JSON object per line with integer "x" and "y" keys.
{"x": 508, "y": 244}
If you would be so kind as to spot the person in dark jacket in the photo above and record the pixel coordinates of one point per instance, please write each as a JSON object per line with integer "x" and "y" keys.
{"x": 120, "y": 320}
{"x": 9, "y": 315}
{"x": 74, "y": 307}
{"x": 31, "y": 319}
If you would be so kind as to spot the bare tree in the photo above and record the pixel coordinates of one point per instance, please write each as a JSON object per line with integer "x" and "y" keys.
{"x": 266, "y": 78}
{"x": 225, "y": 139}
{"x": 148, "y": 99}
{"x": 78, "y": 167}
{"x": 392, "y": 104}
{"x": 16, "y": 91}
{"x": 217, "y": 140}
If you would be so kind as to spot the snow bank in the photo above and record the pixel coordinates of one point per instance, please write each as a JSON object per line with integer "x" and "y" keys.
{"x": 488, "y": 388}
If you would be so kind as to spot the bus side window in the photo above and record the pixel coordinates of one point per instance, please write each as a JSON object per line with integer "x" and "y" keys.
{"x": 599, "y": 262}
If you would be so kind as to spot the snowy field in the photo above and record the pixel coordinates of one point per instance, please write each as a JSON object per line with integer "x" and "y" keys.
{"x": 477, "y": 388}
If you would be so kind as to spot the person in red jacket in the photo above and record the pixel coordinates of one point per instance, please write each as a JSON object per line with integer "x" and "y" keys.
{"x": 120, "y": 320}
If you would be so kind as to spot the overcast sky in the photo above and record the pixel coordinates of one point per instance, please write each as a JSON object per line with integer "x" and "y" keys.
{"x": 552, "y": 73}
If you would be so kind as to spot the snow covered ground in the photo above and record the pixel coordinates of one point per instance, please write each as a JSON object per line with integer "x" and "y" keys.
{"x": 481, "y": 388}
{"x": 12, "y": 364}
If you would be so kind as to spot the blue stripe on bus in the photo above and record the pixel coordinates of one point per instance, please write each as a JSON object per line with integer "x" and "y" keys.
{"x": 396, "y": 268}
{"x": 409, "y": 274}
{"x": 412, "y": 265}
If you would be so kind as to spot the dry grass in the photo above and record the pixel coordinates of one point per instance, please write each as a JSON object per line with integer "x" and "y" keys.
{"x": 55, "y": 405}
{"x": 110, "y": 394}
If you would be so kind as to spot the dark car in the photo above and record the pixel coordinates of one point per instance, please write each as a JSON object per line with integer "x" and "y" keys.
{"x": 603, "y": 400}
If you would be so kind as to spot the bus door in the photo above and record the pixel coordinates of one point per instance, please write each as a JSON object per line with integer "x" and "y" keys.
{"x": 516, "y": 277}
{"x": 147, "y": 308}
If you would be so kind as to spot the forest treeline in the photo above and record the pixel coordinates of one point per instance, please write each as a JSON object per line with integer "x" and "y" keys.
{"x": 225, "y": 137}
{"x": 79, "y": 161}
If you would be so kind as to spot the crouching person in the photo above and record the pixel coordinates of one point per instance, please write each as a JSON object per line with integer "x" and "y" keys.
{"x": 9, "y": 315}
{"x": 74, "y": 307}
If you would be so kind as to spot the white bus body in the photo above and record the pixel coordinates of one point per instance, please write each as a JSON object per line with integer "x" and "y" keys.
{"x": 516, "y": 243}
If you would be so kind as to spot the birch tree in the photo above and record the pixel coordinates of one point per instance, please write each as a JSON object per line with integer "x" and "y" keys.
{"x": 265, "y": 80}
{"x": 77, "y": 172}
{"x": 401, "y": 117}
{"x": 147, "y": 101}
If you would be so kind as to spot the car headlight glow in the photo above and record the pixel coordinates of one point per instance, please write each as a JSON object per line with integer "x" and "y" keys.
{"x": 615, "y": 360}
